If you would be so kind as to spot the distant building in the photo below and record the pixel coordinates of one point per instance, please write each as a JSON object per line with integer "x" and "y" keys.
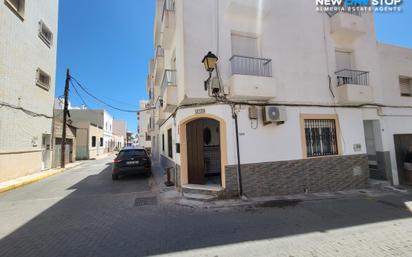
{"x": 89, "y": 140}
{"x": 144, "y": 122}
{"x": 120, "y": 133}
{"x": 28, "y": 46}
{"x": 70, "y": 153}
{"x": 100, "y": 118}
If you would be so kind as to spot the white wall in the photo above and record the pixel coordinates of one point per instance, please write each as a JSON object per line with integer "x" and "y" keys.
{"x": 21, "y": 53}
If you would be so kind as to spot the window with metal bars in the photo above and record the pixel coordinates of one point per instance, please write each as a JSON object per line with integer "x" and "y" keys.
{"x": 169, "y": 143}
{"x": 321, "y": 137}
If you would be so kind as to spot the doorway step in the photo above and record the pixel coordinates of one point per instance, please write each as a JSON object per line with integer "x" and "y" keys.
{"x": 379, "y": 184}
{"x": 204, "y": 193}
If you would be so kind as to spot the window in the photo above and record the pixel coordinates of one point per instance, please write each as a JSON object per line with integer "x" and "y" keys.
{"x": 169, "y": 143}
{"x": 17, "y": 6}
{"x": 245, "y": 45}
{"x": 45, "y": 34}
{"x": 101, "y": 141}
{"x": 93, "y": 141}
{"x": 406, "y": 86}
{"x": 163, "y": 142}
{"x": 43, "y": 79}
{"x": 321, "y": 137}
{"x": 343, "y": 60}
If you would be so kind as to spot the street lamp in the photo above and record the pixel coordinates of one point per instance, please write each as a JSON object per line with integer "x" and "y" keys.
{"x": 210, "y": 62}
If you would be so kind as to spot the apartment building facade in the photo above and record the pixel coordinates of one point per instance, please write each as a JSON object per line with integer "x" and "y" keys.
{"x": 320, "y": 104}
{"x": 28, "y": 39}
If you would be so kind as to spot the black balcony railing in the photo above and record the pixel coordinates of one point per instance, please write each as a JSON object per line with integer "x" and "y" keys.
{"x": 169, "y": 79}
{"x": 354, "y": 77}
{"x": 168, "y": 6}
{"x": 252, "y": 66}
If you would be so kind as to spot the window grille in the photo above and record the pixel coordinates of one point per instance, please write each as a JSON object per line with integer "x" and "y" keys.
{"x": 321, "y": 137}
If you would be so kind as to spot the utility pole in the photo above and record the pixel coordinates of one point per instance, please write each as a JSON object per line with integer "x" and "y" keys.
{"x": 65, "y": 112}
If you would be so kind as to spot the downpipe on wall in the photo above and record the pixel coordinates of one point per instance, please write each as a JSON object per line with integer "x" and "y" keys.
{"x": 238, "y": 168}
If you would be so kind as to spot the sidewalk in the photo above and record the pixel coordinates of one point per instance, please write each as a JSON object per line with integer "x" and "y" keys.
{"x": 22, "y": 181}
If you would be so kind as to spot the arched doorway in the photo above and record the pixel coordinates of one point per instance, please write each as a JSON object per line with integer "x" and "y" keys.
{"x": 203, "y": 152}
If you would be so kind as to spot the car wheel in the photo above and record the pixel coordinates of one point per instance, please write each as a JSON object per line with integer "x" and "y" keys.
{"x": 115, "y": 177}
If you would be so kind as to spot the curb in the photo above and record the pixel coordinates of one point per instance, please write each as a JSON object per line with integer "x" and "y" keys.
{"x": 32, "y": 180}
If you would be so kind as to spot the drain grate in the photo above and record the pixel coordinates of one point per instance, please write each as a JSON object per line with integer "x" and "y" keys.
{"x": 144, "y": 201}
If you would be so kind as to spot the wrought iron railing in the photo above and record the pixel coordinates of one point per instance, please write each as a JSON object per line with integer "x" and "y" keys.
{"x": 253, "y": 66}
{"x": 168, "y": 6}
{"x": 169, "y": 79}
{"x": 354, "y": 77}
{"x": 353, "y": 12}
{"x": 321, "y": 138}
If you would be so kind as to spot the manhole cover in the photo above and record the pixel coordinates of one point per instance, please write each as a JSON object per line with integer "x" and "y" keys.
{"x": 144, "y": 201}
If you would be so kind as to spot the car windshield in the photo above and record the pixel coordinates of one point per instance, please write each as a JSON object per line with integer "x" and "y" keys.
{"x": 132, "y": 153}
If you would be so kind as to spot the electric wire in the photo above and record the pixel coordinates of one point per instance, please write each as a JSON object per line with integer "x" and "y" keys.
{"x": 83, "y": 88}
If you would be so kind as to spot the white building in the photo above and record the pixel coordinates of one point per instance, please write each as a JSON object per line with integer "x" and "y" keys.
{"x": 144, "y": 125}
{"x": 119, "y": 133}
{"x": 28, "y": 45}
{"x": 318, "y": 100}
{"x": 101, "y": 119}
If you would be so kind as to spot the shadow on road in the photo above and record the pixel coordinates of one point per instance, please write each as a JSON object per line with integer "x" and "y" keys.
{"x": 100, "y": 218}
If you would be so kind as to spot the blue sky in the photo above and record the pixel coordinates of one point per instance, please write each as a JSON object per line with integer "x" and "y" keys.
{"x": 107, "y": 46}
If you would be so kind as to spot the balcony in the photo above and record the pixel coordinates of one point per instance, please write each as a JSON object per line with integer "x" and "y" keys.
{"x": 169, "y": 90}
{"x": 159, "y": 65}
{"x": 346, "y": 26}
{"x": 251, "y": 78}
{"x": 353, "y": 87}
{"x": 168, "y": 23}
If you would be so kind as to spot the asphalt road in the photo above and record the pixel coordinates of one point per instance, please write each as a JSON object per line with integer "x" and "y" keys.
{"x": 82, "y": 212}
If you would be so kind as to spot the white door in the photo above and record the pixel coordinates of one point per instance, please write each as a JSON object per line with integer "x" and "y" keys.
{"x": 46, "y": 141}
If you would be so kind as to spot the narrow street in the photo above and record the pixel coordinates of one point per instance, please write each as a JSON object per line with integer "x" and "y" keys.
{"x": 82, "y": 212}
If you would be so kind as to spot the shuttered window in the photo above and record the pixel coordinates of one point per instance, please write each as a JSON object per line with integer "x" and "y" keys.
{"x": 43, "y": 79}
{"x": 406, "y": 86}
{"x": 343, "y": 60}
{"x": 245, "y": 45}
{"x": 17, "y": 6}
{"x": 321, "y": 137}
{"x": 45, "y": 34}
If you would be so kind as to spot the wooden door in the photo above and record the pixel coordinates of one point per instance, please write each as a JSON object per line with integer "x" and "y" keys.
{"x": 195, "y": 154}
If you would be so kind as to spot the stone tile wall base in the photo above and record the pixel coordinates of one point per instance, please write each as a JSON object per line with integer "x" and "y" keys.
{"x": 326, "y": 174}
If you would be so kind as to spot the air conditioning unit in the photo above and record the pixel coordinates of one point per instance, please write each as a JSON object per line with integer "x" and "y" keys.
{"x": 274, "y": 114}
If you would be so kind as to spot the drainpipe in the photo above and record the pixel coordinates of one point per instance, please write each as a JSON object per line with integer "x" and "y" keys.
{"x": 239, "y": 173}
